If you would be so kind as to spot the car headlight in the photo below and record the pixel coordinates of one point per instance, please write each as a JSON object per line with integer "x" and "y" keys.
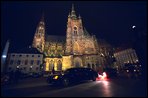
{"x": 55, "y": 77}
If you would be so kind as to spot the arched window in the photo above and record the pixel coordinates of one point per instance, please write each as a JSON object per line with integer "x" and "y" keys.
{"x": 51, "y": 65}
{"x": 26, "y": 62}
{"x": 75, "y": 31}
{"x": 88, "y": 65}
{"x": 76, "y": 48}
{"x": 59, "y": 67}
{"x": 18, "y": 62}
{"x": 11, "y": 62}
{"x": 38, "y": 62}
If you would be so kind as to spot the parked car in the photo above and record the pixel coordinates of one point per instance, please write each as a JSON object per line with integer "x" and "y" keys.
{"x": 72, "y": 75}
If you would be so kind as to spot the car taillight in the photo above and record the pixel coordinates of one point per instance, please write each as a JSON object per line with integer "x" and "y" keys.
{"x": 103, "y": 76}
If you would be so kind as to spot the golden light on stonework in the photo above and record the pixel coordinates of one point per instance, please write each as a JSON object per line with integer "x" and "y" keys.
{"x": 67, "y": 62}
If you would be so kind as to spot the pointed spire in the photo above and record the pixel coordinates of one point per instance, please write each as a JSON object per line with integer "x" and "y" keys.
{"x": 69, "y": 15}
{"x": 42, "y": 18}
{"x": 73, "y": 8}
{"x": 73, "y": 12}
{"x": 79, "y": 16}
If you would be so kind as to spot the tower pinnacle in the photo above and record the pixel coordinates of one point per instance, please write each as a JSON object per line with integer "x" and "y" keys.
{"x": 73, "y": 15}
{"x": 42, "y": 18}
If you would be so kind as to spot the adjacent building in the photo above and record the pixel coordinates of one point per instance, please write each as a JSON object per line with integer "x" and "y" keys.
{"x": 124, "y": 56}
{"x": 27, "y": 60}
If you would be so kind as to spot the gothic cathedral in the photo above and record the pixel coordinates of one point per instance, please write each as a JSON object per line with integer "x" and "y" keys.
{"x": 77, "y": 49}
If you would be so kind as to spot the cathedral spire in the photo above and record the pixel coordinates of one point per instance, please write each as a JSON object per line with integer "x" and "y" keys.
{"x": 42, "y": 18}
{"x": 79, "y": 16}
{"x": 69, "y": 15}
{"x": 72, "y": 7}
{"x": 73, "y": 12}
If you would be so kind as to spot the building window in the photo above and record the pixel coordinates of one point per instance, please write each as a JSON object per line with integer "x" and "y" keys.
{"x": 18, "y": 62}
{"x": 11, "y": 62}
{"x": 38, "y": 55}
{"x": 31, "y": 62}
{"x": 30, "y": 69}
{"x": 37, "y": 68}
{"x": 13, "y": 55}
{"x": 9, "y": 68}
{"x": 38, "y": 62}
{"x": 24, "y": 68}
{"x": 75, "y": 31}
{"x": 27, "y": 55}
{"x": 20, "y": 55}
{"x": 26, "y": 62}
{"x": 32, "y": 55}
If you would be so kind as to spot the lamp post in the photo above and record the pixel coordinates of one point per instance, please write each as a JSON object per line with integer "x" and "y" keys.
{"x": 4, "y": 57}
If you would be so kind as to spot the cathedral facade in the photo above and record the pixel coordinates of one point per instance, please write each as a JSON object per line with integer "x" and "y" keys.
{"x": 77, "y": 49}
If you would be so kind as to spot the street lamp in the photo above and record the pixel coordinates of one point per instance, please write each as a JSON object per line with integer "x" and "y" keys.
{"x": 133, "y": 27}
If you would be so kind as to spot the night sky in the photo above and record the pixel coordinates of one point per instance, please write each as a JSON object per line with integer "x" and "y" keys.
{"x": 111, "y": 21}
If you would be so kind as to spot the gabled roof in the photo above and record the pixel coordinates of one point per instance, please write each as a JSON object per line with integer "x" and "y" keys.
{"x": 27, "y": 50}
{"x": 123, "y": 47}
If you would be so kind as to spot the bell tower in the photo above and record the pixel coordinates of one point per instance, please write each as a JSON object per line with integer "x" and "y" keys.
{"x": 39, "y": 36}
{"x": 74, "y": 31}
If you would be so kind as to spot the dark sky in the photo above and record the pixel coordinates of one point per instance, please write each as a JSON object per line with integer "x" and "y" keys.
{"x": 109, "y": 20}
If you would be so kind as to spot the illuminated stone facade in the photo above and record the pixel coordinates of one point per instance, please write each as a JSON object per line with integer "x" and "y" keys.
{"x": 125, "y": 56}
{"x": 77, "y": 49}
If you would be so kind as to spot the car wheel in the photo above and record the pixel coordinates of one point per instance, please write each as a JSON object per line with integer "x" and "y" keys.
{"x": 65, "y": 82}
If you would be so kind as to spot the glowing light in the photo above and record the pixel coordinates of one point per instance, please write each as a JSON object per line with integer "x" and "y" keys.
{"x": 55, "y": 77}
{"x": 17, "y": 66}
{"x": 140, "y": 65}
{"x": 4, "y": 56}
{"x": 103, "y": 76}
{"x": 102, "y": 54}
{"x": 134, "y": 70}
{"x": 30, "y": 66}
{"x": 67, "y": 62}
{"x": 127, "y": 70}
{"x": 133, "y": 27}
